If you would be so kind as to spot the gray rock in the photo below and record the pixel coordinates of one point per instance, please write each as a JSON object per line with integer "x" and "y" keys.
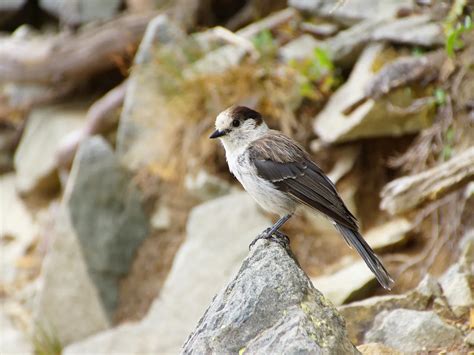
{"x": 218, "y": 235}
{"x": 35, "y": 159}
{"x": 412, "y": 331}
{"x": 17, "y": 228}
{"x": 456, "y": 282}
{"x": 457, "y": 290}
{"x": 360, "y": 315}
{"x": 76, "y": 12}
{"x": 106, "y": 215}
{"x": 217, "y": 239}
{"x": 351, "y": 282}
{"x": 414, "y": 30}
{"x": 270, "y": 307}
{"x": 300, "y": 48}
{"x": 145, "y": 112}
{"x": 349, "y": 12}
{"x": 216, "y": 62}
{"x": 373, "y": 118}
{"x": 68, "y": 304}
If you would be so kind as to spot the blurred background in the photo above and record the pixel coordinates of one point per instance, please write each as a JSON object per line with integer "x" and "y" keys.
{"x": 119, "y": 220}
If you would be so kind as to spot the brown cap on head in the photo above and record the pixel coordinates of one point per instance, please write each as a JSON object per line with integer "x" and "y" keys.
{"x": 245, "y": 113}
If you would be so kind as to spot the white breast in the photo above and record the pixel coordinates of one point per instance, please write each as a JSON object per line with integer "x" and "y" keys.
{"x": 263, "y": 191}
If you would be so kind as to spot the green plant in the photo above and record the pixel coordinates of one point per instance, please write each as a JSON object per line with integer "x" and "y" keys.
{"x": 45, "y": 342}
{"x": 418, "y": 51}
{"x": 265, "y": 43}
{"x": 447, "y": 151}
{"x": 454, "y": 31}
{"x": 440, "y": 96}
{"x": 318, "y": 73}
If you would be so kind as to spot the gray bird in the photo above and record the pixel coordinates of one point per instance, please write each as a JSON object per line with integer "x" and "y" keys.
{"x": 280, "y": 175}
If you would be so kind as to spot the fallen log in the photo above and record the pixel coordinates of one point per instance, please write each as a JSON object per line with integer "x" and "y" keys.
{"x": 72, "y": 57}
{"x": 408, "y": 192}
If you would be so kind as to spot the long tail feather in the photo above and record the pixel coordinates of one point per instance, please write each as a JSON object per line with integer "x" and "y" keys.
{"x": 354, "y": 239}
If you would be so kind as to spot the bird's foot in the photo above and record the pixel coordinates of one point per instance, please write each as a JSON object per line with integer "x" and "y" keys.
{"x": 276, "y": 236}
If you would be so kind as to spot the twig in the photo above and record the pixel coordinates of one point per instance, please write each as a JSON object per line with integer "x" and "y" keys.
{"x": 237, "y": 40}
{"x": 97, "y": 122}
{"x": 416, "y": 106}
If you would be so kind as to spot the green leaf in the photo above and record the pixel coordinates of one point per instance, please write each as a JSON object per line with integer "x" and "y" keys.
{"x": 323, "y": 58}
{"x": 447, "y": 152}
{"x": 307, "y": 89}
{"x": 418, "y": 51}
{"x": 450, "y": 43}
{"x": 440, "y": 96}
{"x": 264, "y": 41}
{"x": 450, "y": 135}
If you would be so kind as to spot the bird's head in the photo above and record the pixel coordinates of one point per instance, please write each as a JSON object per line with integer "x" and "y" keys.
{"x": 239, "y": 126}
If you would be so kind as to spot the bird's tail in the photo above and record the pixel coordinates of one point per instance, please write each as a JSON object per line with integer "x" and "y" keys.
{"x": 354, "y": 239}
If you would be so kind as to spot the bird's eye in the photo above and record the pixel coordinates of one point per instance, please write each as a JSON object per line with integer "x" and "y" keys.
{"x": 236, "y": 123}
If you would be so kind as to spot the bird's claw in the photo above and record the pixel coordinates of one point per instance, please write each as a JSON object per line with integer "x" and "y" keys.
{"x": 276, "y": 236}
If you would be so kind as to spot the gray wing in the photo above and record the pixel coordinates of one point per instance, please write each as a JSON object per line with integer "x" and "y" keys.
{"x": 300, "y": 177}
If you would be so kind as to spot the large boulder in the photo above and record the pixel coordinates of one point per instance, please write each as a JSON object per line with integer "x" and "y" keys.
{"x": 101, "y": 224}
{"x": 218, "y": 235}
{"x": 270, "y": 307}
{"x": 141, "y": 136}
{"x": 68, "y": 304}
{"x": 106, "y": 214}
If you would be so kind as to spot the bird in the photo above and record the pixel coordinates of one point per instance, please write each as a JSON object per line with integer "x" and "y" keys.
{"x": 280, "y": 176}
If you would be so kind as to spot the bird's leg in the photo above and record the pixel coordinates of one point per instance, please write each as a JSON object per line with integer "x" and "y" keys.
{"x": 277, "y": 225}
{"x": 273, "y": 232}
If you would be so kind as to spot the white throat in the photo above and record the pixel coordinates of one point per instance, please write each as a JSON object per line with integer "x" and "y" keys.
{"x": 235, "y": 145}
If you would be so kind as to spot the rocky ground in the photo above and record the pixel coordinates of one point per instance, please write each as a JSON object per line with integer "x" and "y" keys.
{"x": 122, "y": 230}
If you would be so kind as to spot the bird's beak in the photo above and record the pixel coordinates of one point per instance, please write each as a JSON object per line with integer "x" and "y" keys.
{"x": 217, "y": 134}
